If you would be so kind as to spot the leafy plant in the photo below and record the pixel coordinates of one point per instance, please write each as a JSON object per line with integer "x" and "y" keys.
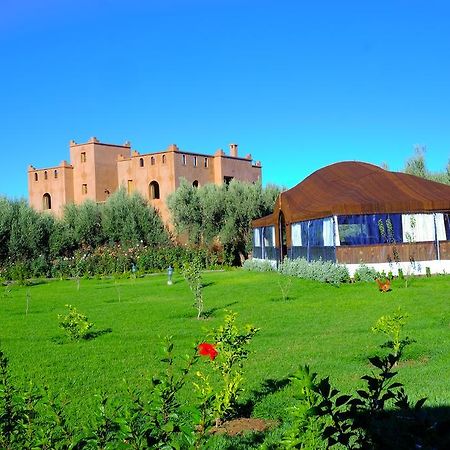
{"x": 365, "y": 273}
{"x": 231, "y": 344}
{"x": 75, "y": 324}
{"x": 192, "y": 274}
{"x": 392, "y": 327}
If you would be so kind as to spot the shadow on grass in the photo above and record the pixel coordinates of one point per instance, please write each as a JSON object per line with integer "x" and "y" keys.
{"x": 95, "y": 334}
{"x": 210, "y": 312}
{"x": 426, "y": 429}
{"x": 60, "y": 340}
{"x": 268, "y": 387}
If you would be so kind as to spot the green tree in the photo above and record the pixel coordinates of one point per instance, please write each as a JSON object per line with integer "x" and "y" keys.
{"x": 128, "y": 219}
{"x": 221, "y": 214}
{"x": 416, "y": 165}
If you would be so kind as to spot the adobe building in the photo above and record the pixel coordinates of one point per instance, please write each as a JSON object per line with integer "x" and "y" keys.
{"x": 96, "y": 170}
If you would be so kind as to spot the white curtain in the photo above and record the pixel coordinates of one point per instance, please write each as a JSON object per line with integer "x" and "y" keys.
{"x": 328, "y": 232}
{"x": 336, "y": 231}
{"x": 440, "y": 227}
{"x": 418, "y": 227}
{"x": 296, "y": 234}
{"x": 257, "y": 237}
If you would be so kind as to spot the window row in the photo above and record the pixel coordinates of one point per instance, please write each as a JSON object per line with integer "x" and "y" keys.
{"x": 195, "y": 161}
{"x": 152, "y": 160}
{"x": 36, "y": 175}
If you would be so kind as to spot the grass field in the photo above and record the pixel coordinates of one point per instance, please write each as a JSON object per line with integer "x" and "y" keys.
{"x": 317, "y": 324}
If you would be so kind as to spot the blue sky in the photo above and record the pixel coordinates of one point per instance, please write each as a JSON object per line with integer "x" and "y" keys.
{"x": 298, "y": 84}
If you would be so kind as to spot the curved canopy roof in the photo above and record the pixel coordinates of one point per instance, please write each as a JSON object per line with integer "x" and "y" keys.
{"x": 358, "y": 188}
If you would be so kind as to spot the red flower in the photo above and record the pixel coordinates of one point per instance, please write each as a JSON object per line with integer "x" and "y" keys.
{"x": 205, "y": 349}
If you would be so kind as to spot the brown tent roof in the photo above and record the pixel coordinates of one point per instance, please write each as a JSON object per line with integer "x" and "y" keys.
{"x": 358, "y": 188}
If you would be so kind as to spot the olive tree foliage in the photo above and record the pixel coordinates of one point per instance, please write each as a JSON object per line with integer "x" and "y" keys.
{"x": 221, "y": 213}
{"x": 24, "y": 233}
{"x": 81, "y": 225}
{"x": 416, "y": 165}
{"x": 129, "y": 219}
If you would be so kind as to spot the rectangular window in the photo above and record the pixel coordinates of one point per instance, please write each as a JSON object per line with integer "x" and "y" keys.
{"x": 83, "y": 157}
{"x": 84, "y": 189}
{"x": 205, "y": 162}
{"x": 183, "y": 159}
{"x": 370, "y": 229}
{"x": 195, "y": 161}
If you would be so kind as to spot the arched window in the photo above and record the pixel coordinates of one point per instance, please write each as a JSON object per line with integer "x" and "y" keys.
{"x": 45, "y": 175}
{"x": 141, "y": 162}
{"x": 46, "y": 201}
{"x": 55, "y": 173}
{"x": 163, "y": 159}
{"x": 36, "y": 177}
{"x": 195, "y": 183}
{"x": 154, "y": 190}
{"x": 152, "y": 160}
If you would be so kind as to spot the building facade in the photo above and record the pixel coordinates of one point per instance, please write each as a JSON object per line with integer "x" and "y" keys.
{"x": 96, "y": 170}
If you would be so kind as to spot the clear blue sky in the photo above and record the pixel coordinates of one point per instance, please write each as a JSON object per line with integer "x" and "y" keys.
{"x": 299, "y": 84}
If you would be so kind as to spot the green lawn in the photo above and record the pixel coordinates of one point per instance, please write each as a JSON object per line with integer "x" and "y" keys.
{"x": 320, "y": 325}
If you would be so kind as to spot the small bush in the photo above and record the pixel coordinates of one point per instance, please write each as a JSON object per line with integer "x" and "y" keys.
{"x": 365, "y": 273}
{"x": 75, "y": 324}
{"x": 257, "y": 265}
{"x": 323, "y": 271}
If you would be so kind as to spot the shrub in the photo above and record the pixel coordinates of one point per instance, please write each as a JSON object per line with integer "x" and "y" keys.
{"x": 75, "y": 324}
{"x": 365, "y": 273}
{"x": 257, "y": 265}
{"x": 323, "y": 271}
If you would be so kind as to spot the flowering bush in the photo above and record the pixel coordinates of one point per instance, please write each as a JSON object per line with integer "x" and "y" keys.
{"x": 227, "y": 356}
{"x": 205, "y": 349}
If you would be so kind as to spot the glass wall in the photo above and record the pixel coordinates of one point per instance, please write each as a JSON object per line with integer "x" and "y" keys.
{"x": 264, "y": 243}
{"x": 370, "y": 229}
{"x": 313, "y": 240}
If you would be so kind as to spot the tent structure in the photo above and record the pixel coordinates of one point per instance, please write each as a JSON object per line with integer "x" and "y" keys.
{"x": 353, "y": 213}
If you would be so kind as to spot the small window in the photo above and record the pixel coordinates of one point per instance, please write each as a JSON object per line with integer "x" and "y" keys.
{"x": 130, "y": 186}
{"x": 36, "y": 176}
{"x": 195, "y": 161}
{"x": 84, "y": 189}
{"x": 83, "y": 157}
{"x": 152, "y": 160}
{"x": 46, "y": 201}
{"x": 55, "y": 174}
{"x": 141, "y": 162}
{"x": 183, "y": 159}
{"x": 195, "y": 183}
{"x": 45, "y": 175}
{"x": 163, "y": 159}
{"x": 154, "y": 190}
{"x": 205, "y": 162}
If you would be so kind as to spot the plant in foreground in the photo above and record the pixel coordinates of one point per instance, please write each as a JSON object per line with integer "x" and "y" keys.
{"x": 392, "y": 327}
{"x": 227, "y": 356}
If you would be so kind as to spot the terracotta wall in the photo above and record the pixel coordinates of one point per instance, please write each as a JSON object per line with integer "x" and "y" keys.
{"x": 97, "y": 170}
{"x": 57, "y": 182}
